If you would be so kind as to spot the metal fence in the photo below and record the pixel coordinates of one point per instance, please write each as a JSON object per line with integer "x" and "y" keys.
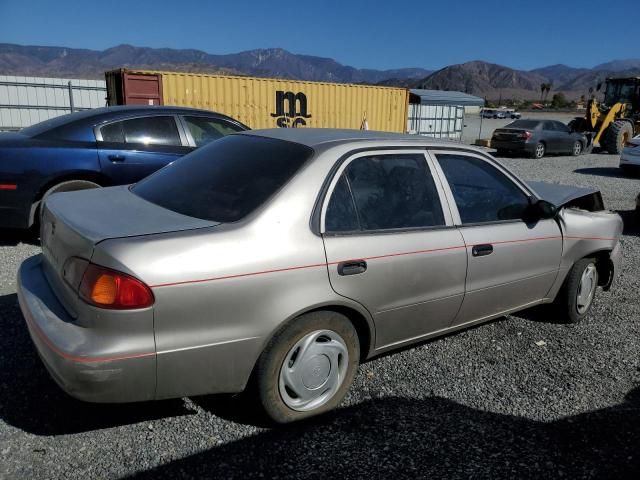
{"x": 439, "y": 121}
{"x": 28, "y": 100}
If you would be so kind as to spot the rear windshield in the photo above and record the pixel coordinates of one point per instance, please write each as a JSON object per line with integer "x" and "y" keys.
{"x": 225, "y": 180}
{"x": 524, "y": 124}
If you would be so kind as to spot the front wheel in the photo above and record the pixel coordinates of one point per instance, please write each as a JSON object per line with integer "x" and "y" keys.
{"x": 308, "y": 367}
{"x": 577, "y": 148}
{"x": 579, "y": 290}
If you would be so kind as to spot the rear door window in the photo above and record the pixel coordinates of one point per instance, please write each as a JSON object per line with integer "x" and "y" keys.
{"x": 112, "y": 133}
{"x": 382, "y": 192}
{"x": 206, "y": 129}
{"x": 157, "y": 130}
{"x": 482, "y": 192}
{"x": 152, "y": 131}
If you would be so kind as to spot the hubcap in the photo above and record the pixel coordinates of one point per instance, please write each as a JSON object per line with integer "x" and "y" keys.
{"x": 539, "y": 150}
{"x": 587, "y": 288}
{"x": 577, "y": 148}
{"x": 313, "y": 370}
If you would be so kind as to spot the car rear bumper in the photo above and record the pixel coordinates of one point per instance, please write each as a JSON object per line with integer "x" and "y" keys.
{"x": 513, "y": 145}
{"x": 86, "y": 364}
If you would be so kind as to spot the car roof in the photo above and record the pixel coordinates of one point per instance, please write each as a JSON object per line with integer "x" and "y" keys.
{"x": 118, "y": 110}
{"x": 95, "y": 116}
{"x": 328, "y": 137}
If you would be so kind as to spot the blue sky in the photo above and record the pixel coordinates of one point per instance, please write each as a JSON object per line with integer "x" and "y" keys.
{"x": 520, "y": 34}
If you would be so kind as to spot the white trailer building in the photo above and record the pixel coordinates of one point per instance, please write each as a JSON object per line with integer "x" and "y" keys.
{"x": 439, "y": 113}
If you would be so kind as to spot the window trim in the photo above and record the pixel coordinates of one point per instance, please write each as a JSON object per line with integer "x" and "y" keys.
{"x": 183, "y": 138}
{"x": 453, "y": 206}
{"x": 336, "y": 173}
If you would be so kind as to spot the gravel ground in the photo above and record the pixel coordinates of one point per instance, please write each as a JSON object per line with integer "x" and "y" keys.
{"x": 487, "y": 402}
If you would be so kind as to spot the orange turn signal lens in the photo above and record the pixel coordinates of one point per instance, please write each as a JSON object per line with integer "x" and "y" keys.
{"x": 107, "y": 288}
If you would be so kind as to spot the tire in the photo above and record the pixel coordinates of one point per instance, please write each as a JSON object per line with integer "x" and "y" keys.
{"x": 616, "y": 135}
{"x": 294, "y": 377}
{"x": 577, "y": 148}
{"x": 573, "y": 300}
{"x": 539, "y": 151}
{"x": 66, "y": 186}
{"x": 501, "y": 152}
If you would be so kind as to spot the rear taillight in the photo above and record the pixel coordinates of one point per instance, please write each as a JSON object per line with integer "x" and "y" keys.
{"x": 108, "y": 288}
{"x": 526, "y": 135}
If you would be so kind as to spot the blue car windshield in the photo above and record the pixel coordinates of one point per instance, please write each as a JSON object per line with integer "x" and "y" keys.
{"x": 226, "y": 180}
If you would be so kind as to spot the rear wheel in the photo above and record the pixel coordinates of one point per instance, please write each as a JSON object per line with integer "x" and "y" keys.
{"x": 501, "y": 152}
{"x": 308, "y": 367}
{"x": 579, "y": 290}
{"x": 577, "y": 148}
{"x": 539, "y": 151}
{"x": 618, "y": 133}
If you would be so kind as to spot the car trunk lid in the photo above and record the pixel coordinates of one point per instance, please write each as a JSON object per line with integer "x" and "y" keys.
{"x": 73, "y": 223}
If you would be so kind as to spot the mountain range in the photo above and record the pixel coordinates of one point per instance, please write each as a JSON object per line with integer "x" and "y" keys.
{"x": 476, "y": 77}
{"x": 270, "y": 62}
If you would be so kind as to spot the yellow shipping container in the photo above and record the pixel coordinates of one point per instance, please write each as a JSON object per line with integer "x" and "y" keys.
{"x": 268, "y": 103}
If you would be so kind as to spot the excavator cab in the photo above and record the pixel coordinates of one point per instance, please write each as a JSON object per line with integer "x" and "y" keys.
{"x": 613, "y": 122}
{"x": 623, "y": 90}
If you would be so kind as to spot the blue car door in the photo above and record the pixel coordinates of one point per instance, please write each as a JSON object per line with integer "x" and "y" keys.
{"x": 132, "y": 149}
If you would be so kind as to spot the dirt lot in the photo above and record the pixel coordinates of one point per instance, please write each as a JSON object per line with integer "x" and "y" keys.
{"x": 489, "y": 402}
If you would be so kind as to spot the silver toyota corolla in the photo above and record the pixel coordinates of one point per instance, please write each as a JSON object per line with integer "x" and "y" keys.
{"x": 288, "y": 256}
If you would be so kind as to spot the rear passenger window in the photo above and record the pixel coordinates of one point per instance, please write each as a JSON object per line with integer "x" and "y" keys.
{"x": 152, "y": 131}
{"x": 341, "y": 211}
{"x": 145, "y": 130}
{"x": 112, "y": 133}
{"x": 384, "y": 192}
{"x": 482, "y": 193}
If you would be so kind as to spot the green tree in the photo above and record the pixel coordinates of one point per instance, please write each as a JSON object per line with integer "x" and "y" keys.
{"x": 559, "y": 101}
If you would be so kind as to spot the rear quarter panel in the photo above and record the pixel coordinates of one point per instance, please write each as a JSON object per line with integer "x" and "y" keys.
{"x": 222, "y": 292}
{"x": 34, "y": 167}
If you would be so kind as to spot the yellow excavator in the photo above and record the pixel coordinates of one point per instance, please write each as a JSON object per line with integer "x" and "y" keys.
{"x": 611, "y": 123}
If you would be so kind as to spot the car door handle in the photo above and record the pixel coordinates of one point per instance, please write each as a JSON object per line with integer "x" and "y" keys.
{"x": 116, "y": 158}
{"x": 352, "y": 267}
{"x": 482, "y": 250}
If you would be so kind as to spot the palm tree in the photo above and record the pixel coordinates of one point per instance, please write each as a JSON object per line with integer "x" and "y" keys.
{"x": 543, "y": 87}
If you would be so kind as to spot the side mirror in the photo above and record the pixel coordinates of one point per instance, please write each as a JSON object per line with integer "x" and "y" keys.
{"x": 539, "y": 210}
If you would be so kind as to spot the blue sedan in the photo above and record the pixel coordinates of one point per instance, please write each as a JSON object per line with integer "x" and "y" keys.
{"x": 101, "y": 147}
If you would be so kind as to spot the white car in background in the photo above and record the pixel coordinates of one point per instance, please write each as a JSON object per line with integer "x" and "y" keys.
{"x": 630, "y": 156}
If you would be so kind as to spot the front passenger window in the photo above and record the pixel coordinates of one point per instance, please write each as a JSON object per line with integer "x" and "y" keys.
{"x": 482, "y": 193}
